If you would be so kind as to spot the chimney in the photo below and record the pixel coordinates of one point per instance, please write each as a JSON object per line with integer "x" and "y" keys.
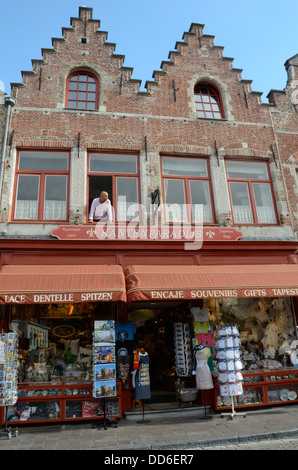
{"x": 85, "y": 13}
{"x": 291, "y": 66}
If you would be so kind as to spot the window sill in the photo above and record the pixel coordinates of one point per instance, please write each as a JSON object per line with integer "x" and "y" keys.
{"x": 211, "y": 119}
{"x": 243, "y": 224}
{"x": 43, "y": 222}
{"x": 78, "y": 110}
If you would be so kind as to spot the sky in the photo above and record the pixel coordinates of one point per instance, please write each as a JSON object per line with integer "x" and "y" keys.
{"x": 260, "y": 35}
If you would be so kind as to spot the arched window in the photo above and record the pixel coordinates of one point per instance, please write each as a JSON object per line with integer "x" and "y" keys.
{"x": 208, "y": 102}
{"x": 82, "y": 91}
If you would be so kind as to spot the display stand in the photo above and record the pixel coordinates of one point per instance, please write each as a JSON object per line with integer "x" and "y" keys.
{"x": 143, "y": 420}
{"x": 233, "y": 412}
{"x": 229, "y": 365}
{"x": 106, "y": 421}
{"x": 104, "y": 365}
{"x": 205, "y": 416}
{"x": 8, "y": 430}
{"x": 8, "y": 376}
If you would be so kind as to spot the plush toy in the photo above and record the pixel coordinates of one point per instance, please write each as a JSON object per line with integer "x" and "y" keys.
{"x": 271, "y": 336}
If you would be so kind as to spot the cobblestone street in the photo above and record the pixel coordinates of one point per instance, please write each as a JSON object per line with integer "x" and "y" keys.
{"x": 275, "y": 444}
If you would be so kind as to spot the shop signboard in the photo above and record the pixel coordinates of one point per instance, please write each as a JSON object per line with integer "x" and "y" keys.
{"x": 193, "y": 294}
{"x": 136, "y": 232}
{"x": 58, "y": 297}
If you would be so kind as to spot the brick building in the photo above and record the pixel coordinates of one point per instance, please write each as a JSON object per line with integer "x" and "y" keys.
{"x": 198, "y": 138}
{"x": 284, "y": 120}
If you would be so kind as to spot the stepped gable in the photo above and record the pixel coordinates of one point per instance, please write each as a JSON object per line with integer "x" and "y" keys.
{"x": 288, "y": 97}
{"x": 83, "y": 45}
{"x": 204, "y": 44}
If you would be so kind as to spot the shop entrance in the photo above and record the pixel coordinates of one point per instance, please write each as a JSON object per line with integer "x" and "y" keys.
{"x": 154, "y": 323}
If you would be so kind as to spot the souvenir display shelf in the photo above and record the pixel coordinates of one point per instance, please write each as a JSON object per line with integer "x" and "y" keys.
{"x": 62, "y": 401}
{"x": 262, "y": 387}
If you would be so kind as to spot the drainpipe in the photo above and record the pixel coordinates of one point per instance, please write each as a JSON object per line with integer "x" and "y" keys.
{"x": 9, "y": 101}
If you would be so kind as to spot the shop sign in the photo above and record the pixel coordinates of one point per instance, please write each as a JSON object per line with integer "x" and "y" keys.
{"x": 66, "y": 297}
{"x": 215, "y": 293}
{"x": 135, "y": 232}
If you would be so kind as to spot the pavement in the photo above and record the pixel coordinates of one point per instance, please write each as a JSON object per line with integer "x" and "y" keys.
{"x": 160, "y": 434}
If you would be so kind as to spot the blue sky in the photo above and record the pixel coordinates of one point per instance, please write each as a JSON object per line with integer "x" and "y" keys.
{"x": 260, "y": 34}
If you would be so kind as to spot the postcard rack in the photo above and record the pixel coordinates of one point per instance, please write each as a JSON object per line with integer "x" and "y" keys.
{"x": 8, "y": 377}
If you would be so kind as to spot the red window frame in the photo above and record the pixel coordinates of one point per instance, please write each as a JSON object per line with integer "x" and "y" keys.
{"x": 42, "y": 185}
{"x": 187, "y": 179}
{"x": 208, "y": 102}
{"x": 114, "y": 177}
{"x": 250, "y": 182}
{"x": 79, "y": 101}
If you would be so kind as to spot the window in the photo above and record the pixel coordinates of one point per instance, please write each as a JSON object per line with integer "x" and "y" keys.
{"x": 187, "y": 190}
{"x": 41, "y": 186}
{"x": 118, "y": 174}
{"x": 208, "y": 102}
{"x": 82, "y": 91}
{"x": 251, "y": 192}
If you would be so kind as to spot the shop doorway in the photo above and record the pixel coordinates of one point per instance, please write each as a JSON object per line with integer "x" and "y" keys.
{"x": 154, "y": 324}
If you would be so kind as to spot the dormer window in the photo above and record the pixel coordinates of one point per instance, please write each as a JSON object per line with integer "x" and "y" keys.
{"x": 208, "y": 102}
{"x": 82, "y": 91}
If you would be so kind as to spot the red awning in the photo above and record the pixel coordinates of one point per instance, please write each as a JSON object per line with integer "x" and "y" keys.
{"x": 154, "y": 283}
{"x": 61, "y": 284}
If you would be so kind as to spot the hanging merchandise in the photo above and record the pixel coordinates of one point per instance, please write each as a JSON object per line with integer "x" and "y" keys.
{"x": 136, "y": 359}
{"x": 183, "y": 349}
{"x": 142, "y": 377}
{"x": 229, "y": 365}
{"x": 204, "y": 379}
{"x": 104, "y": 366}
{"x": 200, "y": 314}
{"x": 203, "y": 373}
{"x": 125, "y": 331}
{"x": 123, "y": 370}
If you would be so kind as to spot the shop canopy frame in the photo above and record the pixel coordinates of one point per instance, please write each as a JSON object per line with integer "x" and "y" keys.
{"x": 27, "y": 284}
{"x": 157, "y": 283}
